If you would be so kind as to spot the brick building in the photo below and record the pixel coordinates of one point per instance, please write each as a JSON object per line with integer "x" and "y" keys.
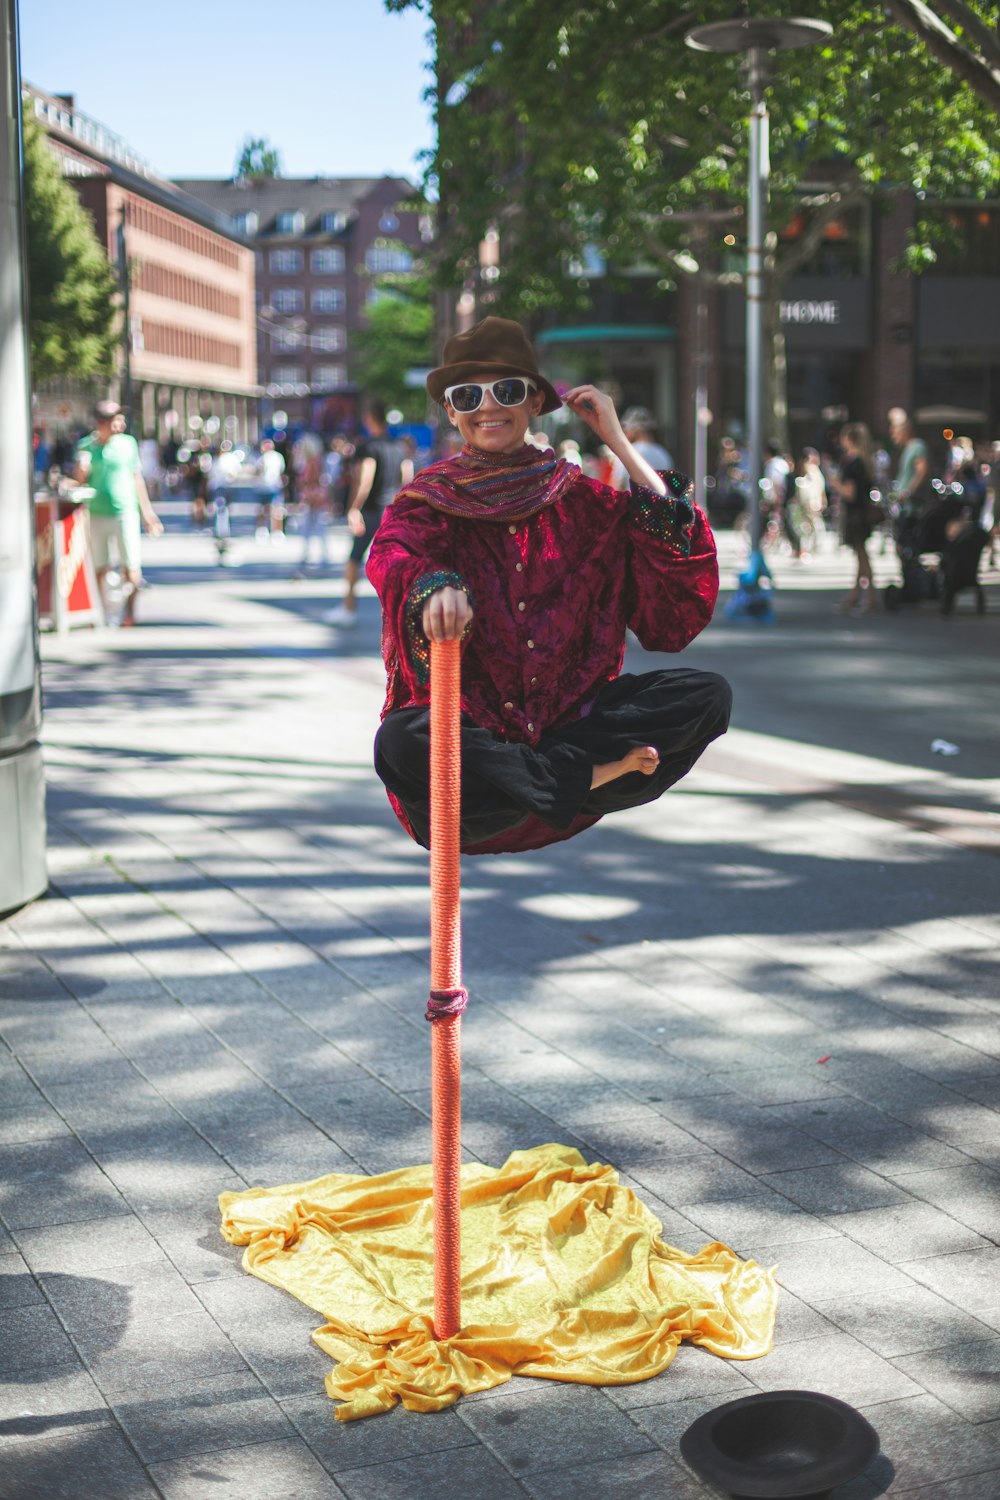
{"x": 191, "y": 346}
{"x": 319, "y": 241}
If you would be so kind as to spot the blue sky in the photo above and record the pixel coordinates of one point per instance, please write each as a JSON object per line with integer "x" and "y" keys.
{"x": 336, "y": 85}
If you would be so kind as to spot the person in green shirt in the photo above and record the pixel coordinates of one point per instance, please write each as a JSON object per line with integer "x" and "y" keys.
{"x": 909, "y": 485}
{"x": 108, "y": 462}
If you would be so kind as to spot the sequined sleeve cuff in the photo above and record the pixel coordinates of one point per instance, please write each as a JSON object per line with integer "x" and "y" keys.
{"x": 420, "y": 648}
{"x": 668, "y": 517}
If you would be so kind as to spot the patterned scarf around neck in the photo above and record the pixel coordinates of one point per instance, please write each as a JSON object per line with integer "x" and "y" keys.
{"x": 494, "y": 486}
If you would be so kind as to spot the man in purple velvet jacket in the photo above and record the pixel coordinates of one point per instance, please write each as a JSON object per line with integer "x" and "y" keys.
{"x": 539, "y": 570}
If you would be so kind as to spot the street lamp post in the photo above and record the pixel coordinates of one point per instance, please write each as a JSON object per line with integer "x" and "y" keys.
{"x": 22, "y": 789}
{"x": 757, "y": 37}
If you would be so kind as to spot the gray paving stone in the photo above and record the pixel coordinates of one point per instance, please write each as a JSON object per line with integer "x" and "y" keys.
{"x": 18, "y": 1288}
{"x": 970, "y": 1194}
{"x": 698, "y": 1179}
{"x": 834, "y": 1363}
{"x": 925, "y": 1443}
{"x": 272, "y": 1332}
{"x": 118, "y": 1296}
{"x": 984, "y": 1486}
{"x": 691, "y": 1372}
{"x": 962, "y": 1376}
{"x": 34, "y": 1341}
{"x": 906, "y": 1230}
{"x": 87, "y": 1246}
{"x": 653, "y": 1475}
{"x": 750, "y": 1228}
{"x": 92, "y": 1460}
{"x": 905, "y": 1320}
{"x": 821, "y": 1270}
{"x": 462, "y": 1471}
{"x": 396, "y": 1435}
{"x": 534, "y": 1429}
{"x": 156, "y": 1354}
{"x": 257, "y": 1472}
{"x": 220, "y": 1412}
{"x": 836, "y": 1189}
{"x": 31, "y": 1122}
{"x": 969, "y": 1279}
{"x": 53, "y": 1182}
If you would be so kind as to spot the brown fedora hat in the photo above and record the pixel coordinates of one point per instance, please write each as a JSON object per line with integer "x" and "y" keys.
{"x": 496, "y": 346}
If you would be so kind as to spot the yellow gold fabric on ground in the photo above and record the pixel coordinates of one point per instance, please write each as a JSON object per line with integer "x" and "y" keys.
{"x": 564, "y": 1275}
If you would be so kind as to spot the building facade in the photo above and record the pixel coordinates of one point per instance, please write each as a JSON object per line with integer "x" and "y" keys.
{"x": 861, "y": 335}
{"x": 320, "y": 245}
{"x": 189, "y": 345}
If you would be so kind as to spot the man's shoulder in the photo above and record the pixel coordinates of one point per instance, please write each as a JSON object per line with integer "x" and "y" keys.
{"x": 124, "y": 446}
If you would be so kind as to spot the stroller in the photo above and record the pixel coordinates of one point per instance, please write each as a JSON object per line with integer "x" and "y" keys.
{"x": 948, "y": 529}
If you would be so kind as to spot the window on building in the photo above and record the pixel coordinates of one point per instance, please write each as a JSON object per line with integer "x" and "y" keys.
{"x": 388, "y": 258}
{"x": 247, "y": 223}
{"x": 844, "y": 249}
{"x": 285, "y": 262}
{"x": 327, "y": 262}
{"x": 332, "y": 223}
{"x": 329, "y": 376}
{"x": 292, "y": 221}
{"x": 965, "y": 237}
{"x": 327, "y": 299}
{"x": 329, "y": 338}
{"x": 287, "y": 374}
{"x": 388, "y": 223}
{"x": 288, "y": 299}
{"x": 287, "y": 338}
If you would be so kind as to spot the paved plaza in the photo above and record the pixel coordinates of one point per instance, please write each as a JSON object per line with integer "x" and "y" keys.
{"x": 770, "y": 1001}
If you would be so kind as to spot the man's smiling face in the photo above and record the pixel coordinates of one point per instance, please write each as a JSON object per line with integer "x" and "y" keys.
{"x": 494, "y": 428}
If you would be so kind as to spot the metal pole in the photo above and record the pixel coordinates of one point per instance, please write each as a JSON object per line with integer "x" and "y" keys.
{"x": 126, "y": 401}
{"x": 701, "y": 393}
{"x": 22, "y": 789}
{"x": 756, "y": 226}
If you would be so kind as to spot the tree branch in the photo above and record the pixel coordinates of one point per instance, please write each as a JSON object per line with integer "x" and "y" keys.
{"x": 845, "y": 195}
{"x": 980, "y": 75}
{"x": 975, "y": 31}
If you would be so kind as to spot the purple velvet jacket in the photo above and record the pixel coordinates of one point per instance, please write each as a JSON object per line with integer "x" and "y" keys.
{"x": 552, "y": 596}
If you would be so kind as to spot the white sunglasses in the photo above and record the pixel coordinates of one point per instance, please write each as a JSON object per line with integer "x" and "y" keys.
{"x": 511, "y": 391}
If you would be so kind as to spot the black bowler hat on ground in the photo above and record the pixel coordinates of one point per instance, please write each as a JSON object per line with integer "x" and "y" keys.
{"x": 496, "y": 346}
{"x": 780, "y": 1445}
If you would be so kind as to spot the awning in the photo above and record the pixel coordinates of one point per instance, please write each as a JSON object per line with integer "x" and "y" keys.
{"x": 606, "y": 333}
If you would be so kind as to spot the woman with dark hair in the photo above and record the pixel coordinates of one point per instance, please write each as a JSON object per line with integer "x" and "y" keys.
{"x": 539, "y": 570}
{"x": 855, "y": 490}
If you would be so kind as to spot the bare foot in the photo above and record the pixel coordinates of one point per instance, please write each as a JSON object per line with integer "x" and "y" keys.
{"x": 643, "y": 759}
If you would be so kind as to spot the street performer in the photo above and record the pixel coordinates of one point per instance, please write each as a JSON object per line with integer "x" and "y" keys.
{"x": 539, "y": 570}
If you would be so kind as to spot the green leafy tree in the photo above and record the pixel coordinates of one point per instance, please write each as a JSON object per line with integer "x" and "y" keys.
{"x": 591, "y": 122}
{"x": 396, "y": 337}
{"x": 258, "y": 160}
{"x": 73, "y": 299}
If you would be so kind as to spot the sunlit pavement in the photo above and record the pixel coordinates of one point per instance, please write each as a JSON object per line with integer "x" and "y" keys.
{"x": 771, "y": 1001}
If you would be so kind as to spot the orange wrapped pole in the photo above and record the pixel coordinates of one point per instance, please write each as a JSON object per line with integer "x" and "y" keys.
{"x": 448, "y": 998}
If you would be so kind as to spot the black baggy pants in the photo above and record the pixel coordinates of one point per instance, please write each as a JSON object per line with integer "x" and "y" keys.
{"x": 678, "y": 712}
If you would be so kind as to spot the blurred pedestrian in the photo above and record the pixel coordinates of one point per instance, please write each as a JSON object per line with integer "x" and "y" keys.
{"x": 857, "y": 511}
{"x": 108, "y": 462}
{"x": 380, "y": 467}
{"x": 639, "y": 426}
{"x": 776, "y": 491}
{"x": 313, "y": 492}
{"x": 808, "y": 500}
{"x": 271, "y": 511}
{"x": 911, "y": 484}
